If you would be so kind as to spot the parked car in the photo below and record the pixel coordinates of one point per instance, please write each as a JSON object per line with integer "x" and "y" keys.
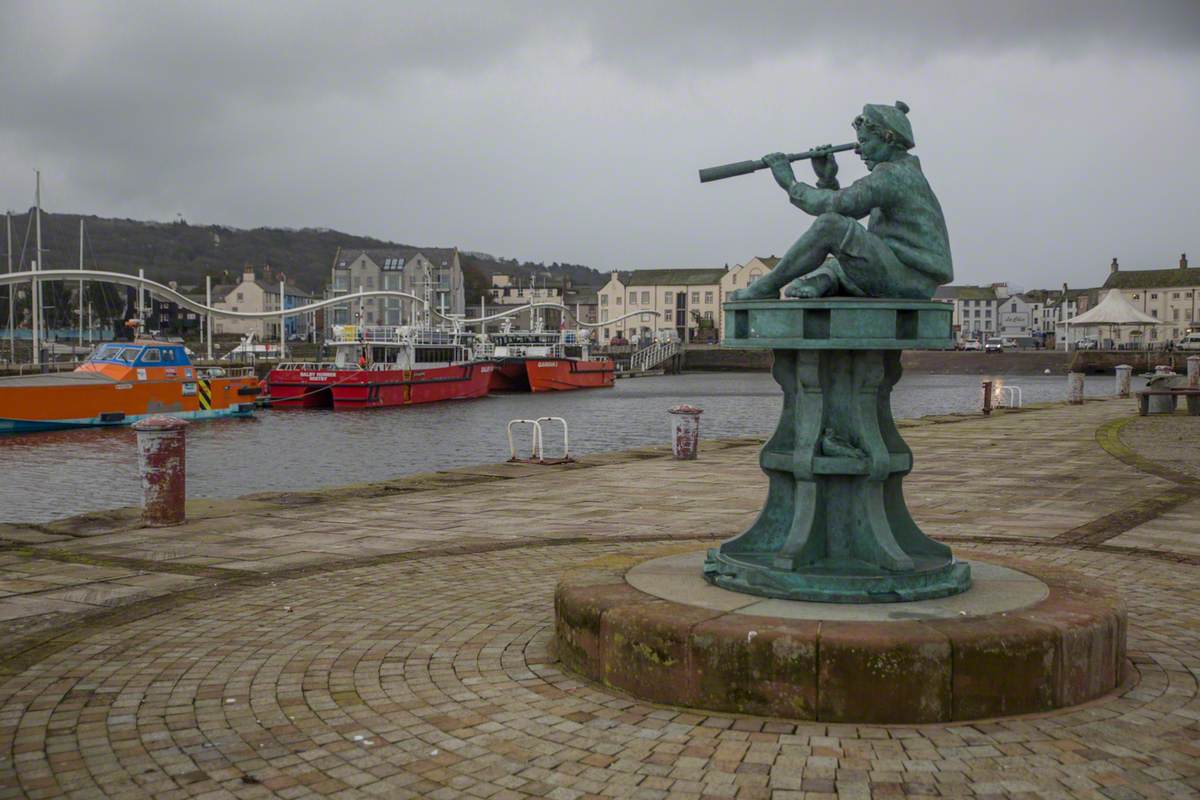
{"x": 994, "y": 345}
{"x": 1190, "y": 342}
{"x": 972, "y": 344}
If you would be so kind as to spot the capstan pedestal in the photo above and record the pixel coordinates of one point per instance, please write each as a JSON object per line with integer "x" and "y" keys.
{"x": 835, "y": 527}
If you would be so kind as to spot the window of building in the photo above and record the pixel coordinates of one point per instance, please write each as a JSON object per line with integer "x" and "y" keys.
{"x": 1175, "y": 295}
{"x": 240, "y": 297}
{"x": 695, "y": 298}
{"x": 608, "y": 333}
{"x": 1014, "y": 307}
{"x": 603, "y": 299}
{"x": 668, "y": 298}
{"x": 1154, "y": 312}
{"x": 755, "y": 275}
{"x": 234, "y": 308}
{"x": 633, "y": 298}
{"x": 1154, "y": 295}
{"x": 618, "y": 299}
{"x": 708, "y": 315}
{"x": 604, "y": 317}
{"x": 1175, "y": 313}
{"x": 708, "y": 297}
{"x": 646, "y": 298}
{"x": 987, "y": 313}
{"x": 1137, "y": 297}
{"x": 370, "y": 282}
{"x": 370, "y": 317}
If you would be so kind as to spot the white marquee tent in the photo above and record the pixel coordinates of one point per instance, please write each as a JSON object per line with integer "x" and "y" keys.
{"x": 1114, "y": 311}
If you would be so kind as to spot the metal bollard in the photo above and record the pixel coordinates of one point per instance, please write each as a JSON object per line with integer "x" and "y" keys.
{"x": 1193, "y": 372}
{"x": 161, "y": 450}
{"x": 1124, "y": 371}
{"x": 685, "y": 444}
{"x": 1075, "y": 388}
{"x": 987, "y": 397}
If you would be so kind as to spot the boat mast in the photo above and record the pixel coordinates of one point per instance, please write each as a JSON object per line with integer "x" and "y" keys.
{"x": 81, "y": 282}
{"x": 208, "y": 314}
{"x": 12, "y": 352}
{"x": 36, "y": 292}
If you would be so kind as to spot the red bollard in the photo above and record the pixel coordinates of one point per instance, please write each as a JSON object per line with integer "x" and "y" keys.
{"x": 161, "y": 451}
{"x": 987, "y": 397}
{"x": 685, "y": 445}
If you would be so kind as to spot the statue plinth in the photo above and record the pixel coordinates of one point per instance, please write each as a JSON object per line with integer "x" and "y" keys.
{"x": 835, "y": 527}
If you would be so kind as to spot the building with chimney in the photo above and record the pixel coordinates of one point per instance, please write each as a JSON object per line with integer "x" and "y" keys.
{"x": 1170, "y": 294}
{"x": 254, "y": 294}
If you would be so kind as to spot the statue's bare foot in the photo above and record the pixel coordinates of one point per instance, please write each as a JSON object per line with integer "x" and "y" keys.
{"x": 816, "y": 285}
{"x": 759, "y": 290}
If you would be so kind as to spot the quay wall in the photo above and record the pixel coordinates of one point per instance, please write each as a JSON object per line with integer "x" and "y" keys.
{"x": 705, "y": 358}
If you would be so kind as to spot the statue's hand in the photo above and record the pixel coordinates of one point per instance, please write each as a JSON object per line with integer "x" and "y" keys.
{"x": 781, "y": 168}
{"x": 826, "y": 168}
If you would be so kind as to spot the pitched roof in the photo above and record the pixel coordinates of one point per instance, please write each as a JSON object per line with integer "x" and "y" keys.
{"x": 1114, "y": 309}
{"x": 438, "y": 256}
{"x": 1153, "y": 278}
{"x": 675, "y": 277}
{"x": 965, "y": 293}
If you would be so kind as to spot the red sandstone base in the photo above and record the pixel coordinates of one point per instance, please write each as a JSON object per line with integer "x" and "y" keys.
{"x": 1064, "y": 650}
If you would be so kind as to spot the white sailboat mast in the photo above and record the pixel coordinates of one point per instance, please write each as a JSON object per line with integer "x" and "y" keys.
{"x": 36, "y": 292}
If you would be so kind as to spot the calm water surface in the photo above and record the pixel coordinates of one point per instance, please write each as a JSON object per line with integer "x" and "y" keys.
{"x": 46, "y": 476}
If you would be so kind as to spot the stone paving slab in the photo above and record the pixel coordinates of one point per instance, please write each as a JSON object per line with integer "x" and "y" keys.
{"x": 415, "y": 615}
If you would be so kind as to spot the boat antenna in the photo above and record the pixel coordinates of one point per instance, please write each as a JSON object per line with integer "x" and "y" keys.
{"x": 12, "y": 353}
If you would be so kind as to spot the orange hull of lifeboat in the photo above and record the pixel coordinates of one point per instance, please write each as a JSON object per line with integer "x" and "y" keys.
{"x": 564, "y": 374}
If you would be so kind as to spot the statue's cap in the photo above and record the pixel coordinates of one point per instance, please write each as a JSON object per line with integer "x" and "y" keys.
{"x": 892, "y": 118}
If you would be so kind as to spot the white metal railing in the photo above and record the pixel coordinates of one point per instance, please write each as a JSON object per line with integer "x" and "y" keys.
{"x": 652, "y": 356}
{"x": 312, "y": 366}
{"x": 536, "y": 449}
{"x": 1013, "y": 397}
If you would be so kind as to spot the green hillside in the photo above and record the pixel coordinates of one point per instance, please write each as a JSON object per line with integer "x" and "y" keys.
{"x": 185, "y": 253}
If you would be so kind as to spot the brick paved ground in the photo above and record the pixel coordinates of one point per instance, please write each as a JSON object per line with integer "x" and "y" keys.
{"x": 397, "y": 645}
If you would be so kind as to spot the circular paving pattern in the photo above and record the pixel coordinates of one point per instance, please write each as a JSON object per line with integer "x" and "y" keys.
{"x": 434, "y": 678}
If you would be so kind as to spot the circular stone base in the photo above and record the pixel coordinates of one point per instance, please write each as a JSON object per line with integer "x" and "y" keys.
{"x": 1024, "y": 638}
{"x": 751, "y": 573}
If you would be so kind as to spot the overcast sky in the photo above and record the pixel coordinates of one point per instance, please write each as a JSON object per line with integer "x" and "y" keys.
{"x": 1057, "y": 135}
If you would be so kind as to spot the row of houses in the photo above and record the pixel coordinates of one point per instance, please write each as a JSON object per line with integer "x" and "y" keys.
{"x": 1170, "y": 294}
{"x": 684, "y": 301}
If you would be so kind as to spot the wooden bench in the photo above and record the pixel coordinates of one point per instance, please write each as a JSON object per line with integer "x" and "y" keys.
{"x": 1191, "y": 395}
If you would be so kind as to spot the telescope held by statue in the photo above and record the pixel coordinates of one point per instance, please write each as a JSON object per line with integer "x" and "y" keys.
{"x": 746, "y": 167}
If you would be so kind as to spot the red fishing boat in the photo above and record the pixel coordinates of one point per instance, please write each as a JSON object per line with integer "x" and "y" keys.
{"x": 542, "y": 361}
{"x": 378, "y": 367}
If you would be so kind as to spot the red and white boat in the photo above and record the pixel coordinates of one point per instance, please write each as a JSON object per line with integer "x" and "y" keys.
{"x": 544, "y": 361}
{"x": 383, "y": 366}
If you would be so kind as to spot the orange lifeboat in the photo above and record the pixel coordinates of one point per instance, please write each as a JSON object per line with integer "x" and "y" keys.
{"x": 122, "y": 382}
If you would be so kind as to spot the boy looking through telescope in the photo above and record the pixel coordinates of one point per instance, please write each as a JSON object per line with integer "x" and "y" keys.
{"x": 904, "y": 251}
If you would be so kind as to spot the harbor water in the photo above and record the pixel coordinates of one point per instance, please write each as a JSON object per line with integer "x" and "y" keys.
{"x": 46, "y": 476}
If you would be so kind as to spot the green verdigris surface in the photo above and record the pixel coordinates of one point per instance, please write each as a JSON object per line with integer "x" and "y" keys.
{"x": 904, "y": 251}
{"x": 835, "y": 526}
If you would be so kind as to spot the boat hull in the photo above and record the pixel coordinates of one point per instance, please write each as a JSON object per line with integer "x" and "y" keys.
{"x": 294, "y": 388}
{"x": 509, "y": 376}
{"x": 389, "y": 388}
{"x": 52, "y": 404}
{"x": 565, "y": 374}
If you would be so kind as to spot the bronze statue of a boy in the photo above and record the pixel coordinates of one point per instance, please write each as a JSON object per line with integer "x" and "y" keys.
{"x": 903, "y": 252}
